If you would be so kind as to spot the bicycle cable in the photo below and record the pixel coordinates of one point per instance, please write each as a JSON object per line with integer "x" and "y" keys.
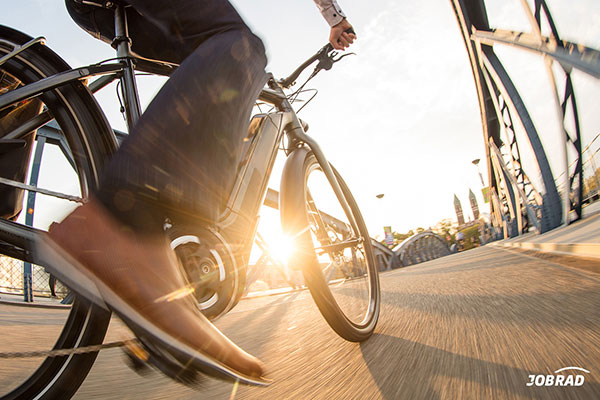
{"x": 309, "y": 100}
{"x": 122, "y": 107}
{"x": 292, "y": 97}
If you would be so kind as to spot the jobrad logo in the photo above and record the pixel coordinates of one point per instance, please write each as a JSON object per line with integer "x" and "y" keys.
{"x": 559, "y": 380}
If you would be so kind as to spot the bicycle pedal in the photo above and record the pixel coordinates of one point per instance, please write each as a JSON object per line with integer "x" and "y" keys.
{"x": 137, "y": 358}
{"x": 143, "y": 355}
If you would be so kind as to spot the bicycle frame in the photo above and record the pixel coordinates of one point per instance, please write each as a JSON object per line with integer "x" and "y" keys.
{"x": 239, "y": 219}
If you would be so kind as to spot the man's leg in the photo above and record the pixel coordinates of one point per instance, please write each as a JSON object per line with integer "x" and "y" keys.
{"x": 182, "y": 156}
{"x": 180, "y": 160}
{"x": 52, "y": 285}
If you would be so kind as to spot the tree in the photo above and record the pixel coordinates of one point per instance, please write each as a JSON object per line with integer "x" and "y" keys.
{"x": 446, "y": 229}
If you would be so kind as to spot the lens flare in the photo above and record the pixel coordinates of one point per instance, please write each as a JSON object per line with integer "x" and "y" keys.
{"x": 281, "y": 248}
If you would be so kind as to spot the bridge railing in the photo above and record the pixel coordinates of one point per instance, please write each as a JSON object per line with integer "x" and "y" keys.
{"x": 421, "y": 247}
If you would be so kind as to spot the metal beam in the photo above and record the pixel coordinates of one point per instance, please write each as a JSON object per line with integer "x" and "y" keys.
{"x": 584, "y": 58}
{"x": 517, "y": 108}
{"x": 33, "y": 180}
{"x": 523, "y": 198}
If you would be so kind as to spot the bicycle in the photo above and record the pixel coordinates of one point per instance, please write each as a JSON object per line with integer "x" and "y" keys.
{"x": 332, "y": 245}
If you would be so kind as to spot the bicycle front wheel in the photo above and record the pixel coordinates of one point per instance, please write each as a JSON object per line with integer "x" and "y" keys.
{"x": 76, "y": 142}
{"x": 336, "y": 259}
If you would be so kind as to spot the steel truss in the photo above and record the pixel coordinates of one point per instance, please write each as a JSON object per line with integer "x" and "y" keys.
{"x": 421, "y": 247}
{"x": 516, "y": 206}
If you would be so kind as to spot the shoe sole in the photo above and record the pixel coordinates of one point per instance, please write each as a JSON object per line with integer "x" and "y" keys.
{"x": 79, "y": 279}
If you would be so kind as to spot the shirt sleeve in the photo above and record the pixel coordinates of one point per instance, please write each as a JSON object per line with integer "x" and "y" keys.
{"x": 331, "y": 11}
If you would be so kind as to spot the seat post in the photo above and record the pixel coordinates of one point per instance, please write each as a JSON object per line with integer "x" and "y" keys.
{"x": 122, "y": 43}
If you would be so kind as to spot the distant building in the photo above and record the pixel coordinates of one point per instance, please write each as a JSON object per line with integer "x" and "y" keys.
{"x": 474, "y": 205}
{"x": 459, "y": 211}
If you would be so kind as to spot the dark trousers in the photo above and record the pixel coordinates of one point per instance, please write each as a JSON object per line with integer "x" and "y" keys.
{"x": 180, "y": 160}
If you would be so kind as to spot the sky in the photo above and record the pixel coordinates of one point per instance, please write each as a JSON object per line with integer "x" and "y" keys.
{"x": 401, "y": 117}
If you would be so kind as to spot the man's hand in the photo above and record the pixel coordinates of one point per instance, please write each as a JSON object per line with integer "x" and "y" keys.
{"x": 338, "y": 38}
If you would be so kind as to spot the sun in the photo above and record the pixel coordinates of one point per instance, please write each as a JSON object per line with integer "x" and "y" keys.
{"x": 271, "y": 239}
{"x": 281, "y": 248}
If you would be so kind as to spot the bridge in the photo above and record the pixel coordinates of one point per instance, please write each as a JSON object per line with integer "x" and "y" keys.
{"x": 483, "y": 323}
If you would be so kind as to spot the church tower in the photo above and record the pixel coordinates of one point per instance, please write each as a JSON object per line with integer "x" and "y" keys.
{"x": 459, "y": 211}
{"x": 474, "y": 205}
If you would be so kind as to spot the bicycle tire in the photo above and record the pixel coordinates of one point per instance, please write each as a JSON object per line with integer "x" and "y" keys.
{"x": 91, "y": 142}
{"x": 295, "y": 220}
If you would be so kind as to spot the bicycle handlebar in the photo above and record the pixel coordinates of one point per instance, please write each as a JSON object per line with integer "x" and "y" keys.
{"x": 325, "y": 62}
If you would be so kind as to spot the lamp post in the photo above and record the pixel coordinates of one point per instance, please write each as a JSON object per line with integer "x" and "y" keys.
{"x": 476, "y": 163}
{"x": 381, "y": 212}
{"x": 388, "y": 237}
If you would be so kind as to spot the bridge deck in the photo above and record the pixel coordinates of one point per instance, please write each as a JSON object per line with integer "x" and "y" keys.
{"x": 471, "y": 325}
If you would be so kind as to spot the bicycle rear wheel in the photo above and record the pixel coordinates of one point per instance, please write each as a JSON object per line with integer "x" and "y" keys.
{"x": 81, "y": 133}
{"x": 337, "y": 261}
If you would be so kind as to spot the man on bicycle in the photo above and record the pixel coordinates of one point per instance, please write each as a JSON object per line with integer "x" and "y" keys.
{"x": 177, "y": 163}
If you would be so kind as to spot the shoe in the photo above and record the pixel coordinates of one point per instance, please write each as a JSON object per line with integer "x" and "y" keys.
{"x": 138, "y": 277}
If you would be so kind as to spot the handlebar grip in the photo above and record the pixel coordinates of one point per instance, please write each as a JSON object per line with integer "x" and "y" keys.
{"x": 328, "y": 47}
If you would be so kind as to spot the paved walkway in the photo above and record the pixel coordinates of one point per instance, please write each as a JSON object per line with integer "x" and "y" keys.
{"x": 473, "y": 325}
{"x": 38, "y": 301}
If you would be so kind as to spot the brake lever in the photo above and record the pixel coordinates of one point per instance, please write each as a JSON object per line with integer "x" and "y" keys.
{"x": 326, "y": 61}
{"x": 340, "y": 57}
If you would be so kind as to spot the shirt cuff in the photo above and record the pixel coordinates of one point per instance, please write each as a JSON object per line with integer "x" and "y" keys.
{"x": 333, "y": 14}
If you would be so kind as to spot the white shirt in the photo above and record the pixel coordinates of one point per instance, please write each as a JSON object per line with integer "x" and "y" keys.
{"x": 331, "y": 11}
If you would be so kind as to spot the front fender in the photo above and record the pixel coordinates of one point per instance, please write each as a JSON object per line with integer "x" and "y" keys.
{"x": 291, "y": 192}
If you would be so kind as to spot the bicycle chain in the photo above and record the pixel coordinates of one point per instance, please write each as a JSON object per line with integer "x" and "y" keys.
{"x": 68, "y": 352}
